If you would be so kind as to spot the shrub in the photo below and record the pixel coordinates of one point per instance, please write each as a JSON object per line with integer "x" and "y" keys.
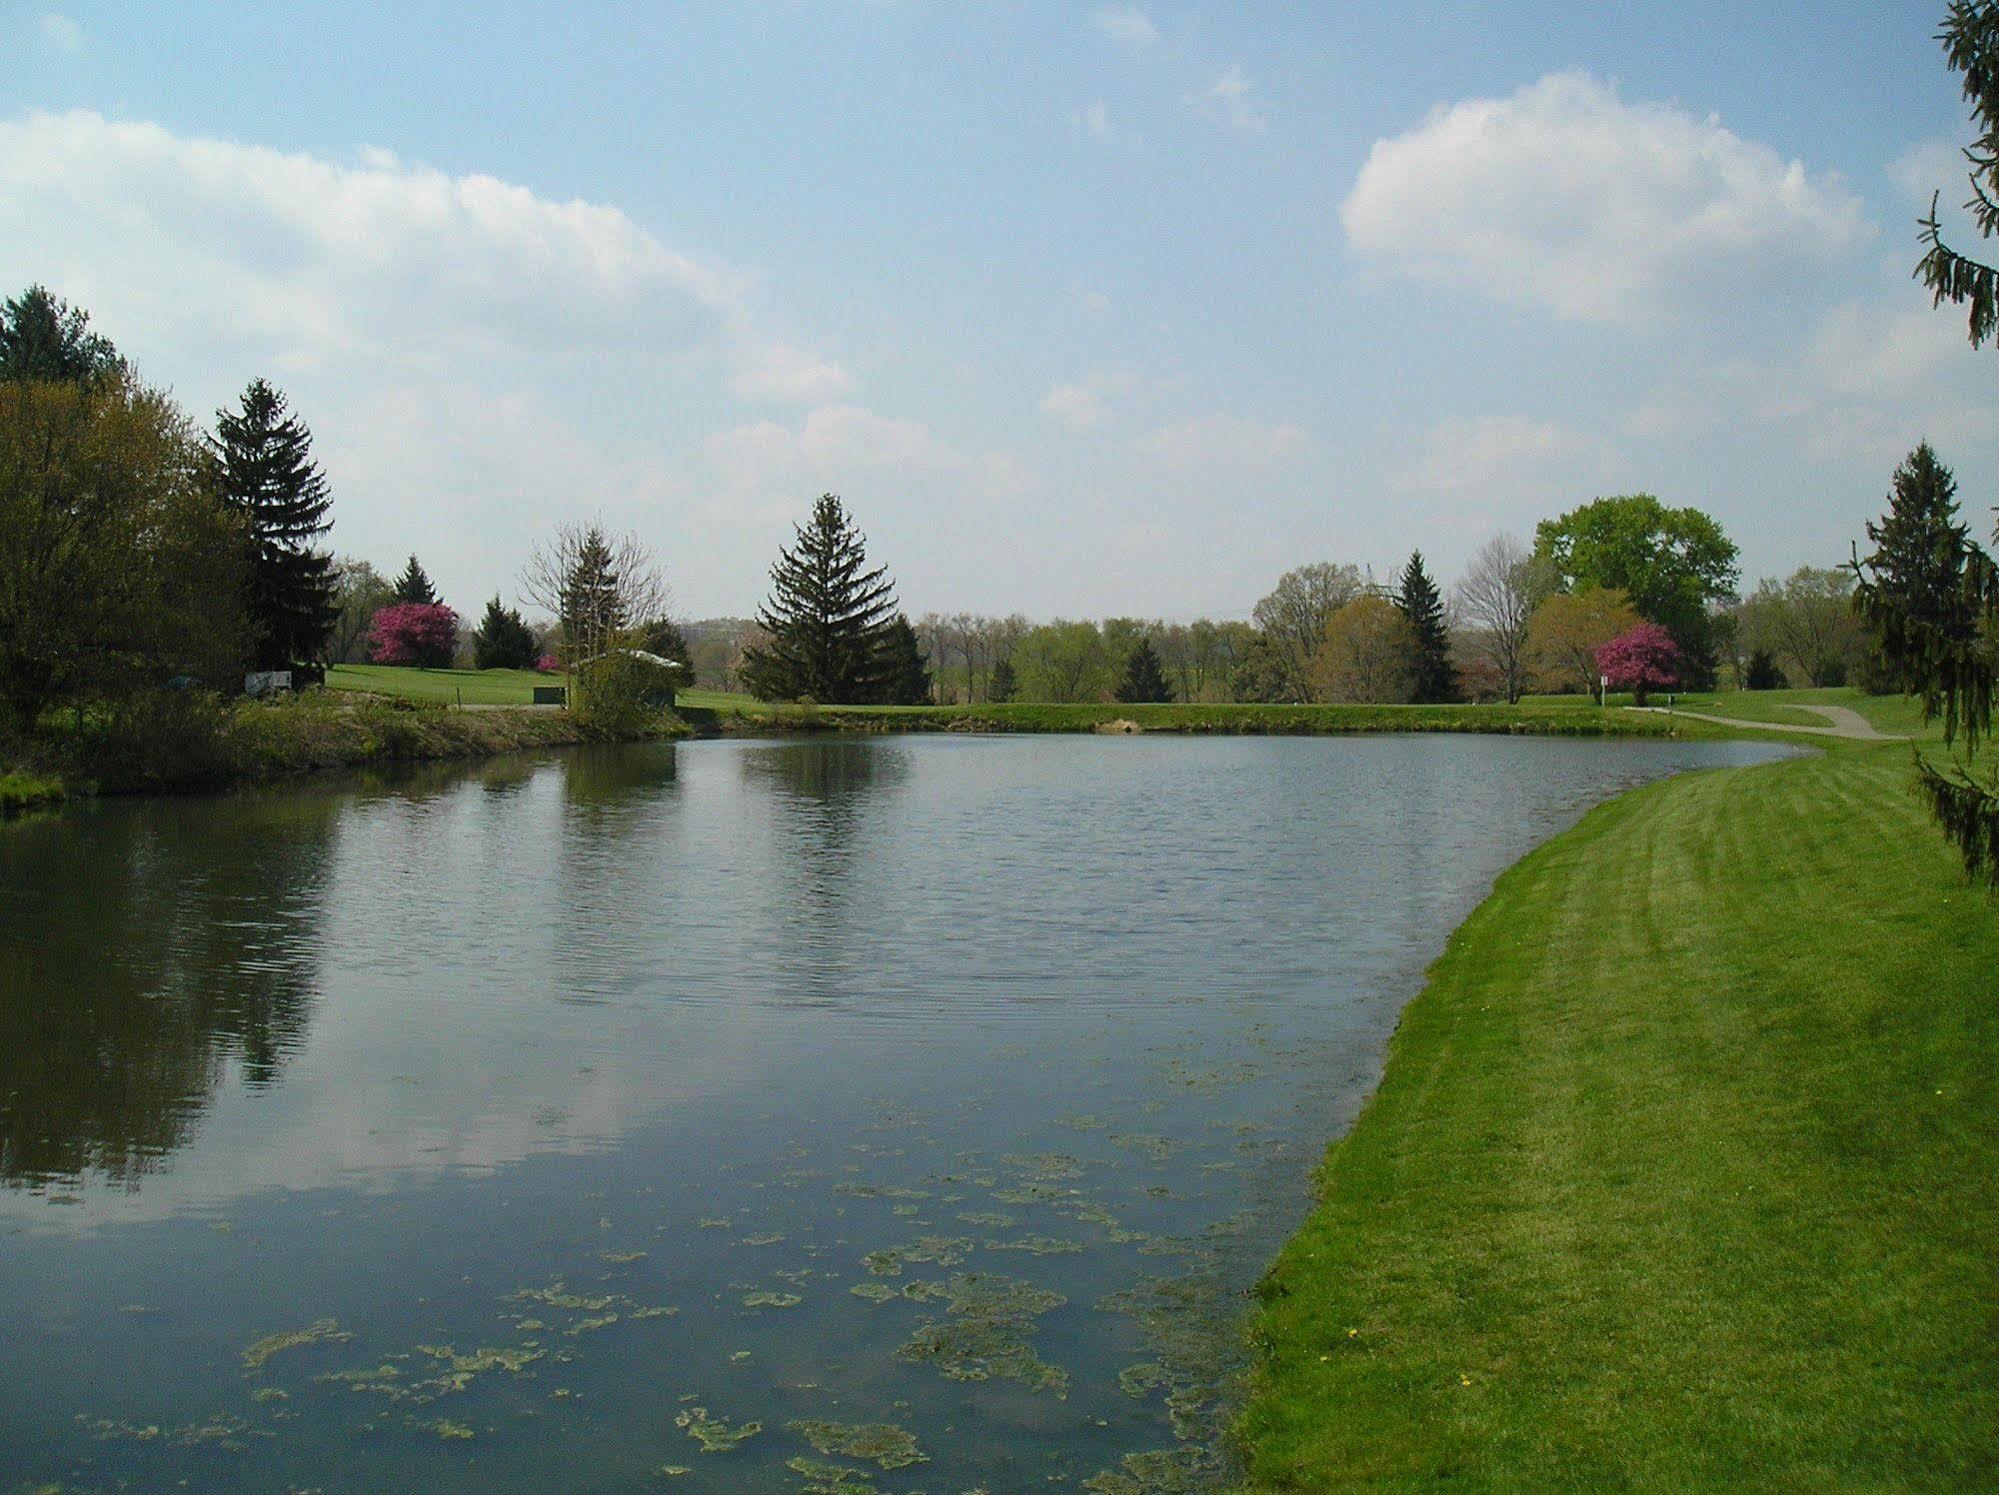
{"x": 424, "y": 634}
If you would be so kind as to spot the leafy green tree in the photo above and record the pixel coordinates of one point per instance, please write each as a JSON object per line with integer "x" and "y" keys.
{"x": 827, "y": 617}
{"x": 264, "y": 470}
{"x": 1970, "y": 38}
{"x": 1063, "y": 661}
{"x": 1000, "y": 685}
{"x": 1431, "y": 676}
{"x": 414, "y": 585}
{"x": 1143, "y": 680}
{"x": 43, "y": 337}
{"x": 1566, "y": 631}
{"x": 1671, "y": 564}
{"x": 1293, "y": 619}
{"x": 905, "y": 671}
{"x": 359, "y": 592}
{"x": 119, "y": 567}
{"x": 503, "y": 640}
{"x": 1368, "y": 654}
{"x": 1262, "y": 673}
{"x": 1807, "y": 620}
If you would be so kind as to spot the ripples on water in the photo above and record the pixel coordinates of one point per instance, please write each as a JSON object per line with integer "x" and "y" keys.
{"x": 547, "y": 1125}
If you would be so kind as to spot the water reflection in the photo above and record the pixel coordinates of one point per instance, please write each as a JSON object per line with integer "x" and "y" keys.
{"x": 145, "y": 953}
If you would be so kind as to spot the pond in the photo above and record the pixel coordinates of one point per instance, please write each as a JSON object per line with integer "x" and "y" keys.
{"x": 887, "y": 1113}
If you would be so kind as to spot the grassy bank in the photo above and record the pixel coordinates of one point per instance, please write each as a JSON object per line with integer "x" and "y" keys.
{"x": 1681, "y": 1174}
{"x": 22, "y": 790}
{"x": 445, "y": 687}
{"x": 739, "y": 715}
{"x": 322, "y": 731}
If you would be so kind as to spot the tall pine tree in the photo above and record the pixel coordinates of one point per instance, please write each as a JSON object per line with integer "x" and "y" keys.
{"x": 1144, "y": 680}
{"x": 1001, "y": 685}
{"x": 593, "y": 603}
{"x": 1911, "y": 585}
{"x": 1433, "y": 677}
{"x": 43, "y": 337}
{"x": 503, "y": 640}
{"x": 827, "y": 618}
{"x": 264, "y": 466}
{"x": 905, "y": 676}
{"x": 414, "y": 585}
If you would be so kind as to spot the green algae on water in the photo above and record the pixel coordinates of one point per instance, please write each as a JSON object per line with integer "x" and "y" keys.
{"x": 320, "y": 1330}
{"x": 714, "y": 1434}
{"x": 767, "y": 1299}
{"x": 1037, "y": 1245}
{"x": 822, "y": 1478}
{"x": 890, "y": 1447}
{"x": 985, "y": 1334}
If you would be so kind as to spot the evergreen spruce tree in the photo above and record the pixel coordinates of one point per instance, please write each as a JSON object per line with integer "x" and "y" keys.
{"x": 503, "y": 640}
{"x": 264, "y": 468}
{"x": 414, "y": 585}
{"x": 662, "y": 636}
{"x": 1911, "y": 588}
{"x": 43, "y": 337}
{"x": 1001, "y": 685}
{"x": 1143, "y": 680}
{"x": 905, "y": 672}
{"x": 593, "y": 603}
{"x": 1421, "y": 604}
{"x": 826, "y": 618}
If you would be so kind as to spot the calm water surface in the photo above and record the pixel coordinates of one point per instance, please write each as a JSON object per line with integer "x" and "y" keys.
{"x": 555, "y": 1123}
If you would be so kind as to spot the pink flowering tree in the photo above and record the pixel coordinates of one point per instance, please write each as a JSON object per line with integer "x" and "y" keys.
{"x": 424, "y": 634}
{"x": 548, "y": 664}
{"x": 1643, "y": 659}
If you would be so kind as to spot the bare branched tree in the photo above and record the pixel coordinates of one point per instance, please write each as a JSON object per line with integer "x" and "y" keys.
{"x": 1495, "y": 599}
{"x": 598, "y": 587}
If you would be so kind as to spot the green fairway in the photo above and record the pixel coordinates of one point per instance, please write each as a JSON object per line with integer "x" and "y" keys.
{"x": 453, "y": 687}
{"x": 1684, "y": 1171}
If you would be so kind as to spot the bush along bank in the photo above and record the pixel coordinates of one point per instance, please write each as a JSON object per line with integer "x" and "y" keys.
{"x": 1548, "y": 721}
{"x": 189, "y": 740}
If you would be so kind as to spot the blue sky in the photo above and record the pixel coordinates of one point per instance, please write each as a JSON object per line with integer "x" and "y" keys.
{"x": 1085, "y": 310}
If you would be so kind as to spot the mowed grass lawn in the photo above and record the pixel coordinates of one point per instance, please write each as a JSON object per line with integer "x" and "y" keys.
{"x": 472, "y": 687}
{"x": 1683, "y": 1174}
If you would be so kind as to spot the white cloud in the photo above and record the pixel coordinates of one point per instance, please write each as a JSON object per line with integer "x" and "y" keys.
{"x": 1097, "y": 119}
{"x": 835, "y": 442}
{"x": 1127, "y": 24}
{"x": 199, "y": 241}
{"x": 1084, "y": 404}
{"x": 1096, "y": 303}
{"x": 1231, "y": 100}
{"x": 1496, "y": 455}
{"x": 1935, "y": 165}
{"x": 1565, "y": 197}
{"x": 1075, "y": 406}
{"x": 60, "y": 32}
{"x": 779, "y": 372}
{"x": 1223, "y": 440}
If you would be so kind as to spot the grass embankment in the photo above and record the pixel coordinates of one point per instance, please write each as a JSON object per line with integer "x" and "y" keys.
{"x": 321, "y": 731}
{"x": 740, "y": 714}
{"x": 21, "y": 791}
{"x": 446, "y": 687}
{"x": 1683, "y": 1173}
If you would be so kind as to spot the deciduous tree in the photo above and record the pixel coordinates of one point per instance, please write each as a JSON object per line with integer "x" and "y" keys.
{"x": 1293, "y": 618}
{"x": 1368, "y": 654}
{"x": 423, "y": 634}
{"x": 1641, "y": 660}
{"x": 1672, "y": 565}
{"x": 1496, "y": 599}
{"x": 1566, "y": 631}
